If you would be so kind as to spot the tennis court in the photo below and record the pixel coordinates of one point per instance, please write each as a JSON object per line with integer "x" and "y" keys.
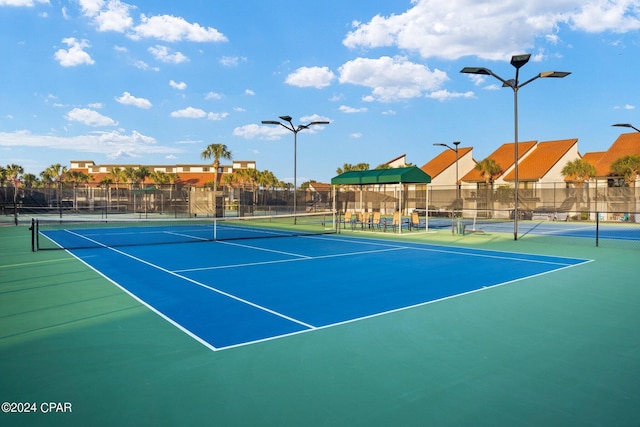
{"x": 318, "y": 329}
{"x": 250, "y": 290}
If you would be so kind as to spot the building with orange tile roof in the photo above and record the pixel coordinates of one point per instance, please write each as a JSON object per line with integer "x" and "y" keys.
{"x": 545, "y": 163}
{"x": 625, "y": 144}
{"x": 503, "y": 156}
{"x": 442, "y": 168}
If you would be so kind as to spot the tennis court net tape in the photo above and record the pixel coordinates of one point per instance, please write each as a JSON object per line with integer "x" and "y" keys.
{"x": 81, "y": 233}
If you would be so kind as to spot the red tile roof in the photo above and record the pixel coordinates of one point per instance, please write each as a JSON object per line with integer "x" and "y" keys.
{"x": 541, "y": 160}
{"x": 627, "y": 143}
{"x": 442, "y": 161}
{"x": 503, "y": 156}
{"x": 593, "y": 157}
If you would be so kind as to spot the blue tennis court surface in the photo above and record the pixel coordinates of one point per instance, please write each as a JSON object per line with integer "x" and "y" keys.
{"x": 226, "y": 294}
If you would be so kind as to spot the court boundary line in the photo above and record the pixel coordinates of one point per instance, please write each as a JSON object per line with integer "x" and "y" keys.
{"x": 280, "y": 261}
{"x": 410, "y": 307}
{"x": 310, "y": 327}
{"x": 461, "y": 248}
{"x": 195, "y": 282}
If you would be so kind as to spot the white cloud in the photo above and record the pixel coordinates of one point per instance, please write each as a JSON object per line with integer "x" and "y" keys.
{"x": 317, "y": 77}
{"x": 494, "y": 30}
{"x": 22, "y": 3}
{"x": 189, "y": 113}
{"x": 255, "y": 131}
{"x": 75, "y": 55}
{"x": 177, "y": 85}
{"x": 128, "y": 99}
{"x": 346, "y": 109}
{"x": 625, "y": 107}
{"x": 443, "y": 95}
{"x": 249, "y": 92}
{"x": 356, "y": 135}
{"x": 391, "y": 79}
{"x": 314, "y": 118}
{"x": 213, "y": 95}
{"x": 163, "y": 54}
{"x": 112, "y": 144}
{"x": 197, "y": 113}
{"x": 115, "y": 17}
{"x": 91, "y": 8}
{"x": 232, "y": 61}
{"x": 619, "y": 16}
{"x": 172, "y": 29}
{"x": 217, "y": 116}
{"x": 89, "y": 117}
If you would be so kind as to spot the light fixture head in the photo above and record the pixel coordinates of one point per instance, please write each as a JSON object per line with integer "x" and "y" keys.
{"x": 519, "y": 60}
{"x": 476, "y": 70}
{"x": 286, "y": 118}
{"x": 556, "y": 74}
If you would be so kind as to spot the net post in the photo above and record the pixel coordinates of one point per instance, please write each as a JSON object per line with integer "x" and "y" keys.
{"x": 597, "y": 228}
{"x": 33, "y": 237}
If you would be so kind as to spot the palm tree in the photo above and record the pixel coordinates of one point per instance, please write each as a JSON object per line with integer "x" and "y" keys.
{"x": 628, "y": 167}
{"x": 13, "y": 173}
{"x": 77, "y": 178}
{"x": 348, "y": 167}
{"x": 141, "y": 174}
{"x": 54, "y": 176}
{"x": 578, "y": 171}
{"x": 216, "y": 152}
{"x": 266, "y": 179}
{"x": 159, "y": 178}
{"x": 490, "y": 170}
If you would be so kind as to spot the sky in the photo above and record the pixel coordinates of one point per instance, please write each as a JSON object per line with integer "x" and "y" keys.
{"x": 155, "y": 82}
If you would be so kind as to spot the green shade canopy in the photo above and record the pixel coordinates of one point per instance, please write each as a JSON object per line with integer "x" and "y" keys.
{"x": 410, "y": 175}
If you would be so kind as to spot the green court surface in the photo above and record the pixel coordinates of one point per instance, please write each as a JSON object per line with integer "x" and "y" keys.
{"x": 561, "y": 349}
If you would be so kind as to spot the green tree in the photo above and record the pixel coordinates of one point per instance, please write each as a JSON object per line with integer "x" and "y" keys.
{"x": 159, "y": 178}
{"x": 13, "y": 173}
{"x": 490, "y": 170}
{"x": 628, "y": 167}
{"x": 348, "y": 167}
{"x": 578, "y": 171}
{"x": 216, "y": 152}
{"x": 266, "y": 180}
{"x": 76, "y": 178}
{"x": 53, "y": 177}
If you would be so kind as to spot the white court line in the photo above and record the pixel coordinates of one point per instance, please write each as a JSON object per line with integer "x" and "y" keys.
{"x": 280, "y": 261}
{"x": 195, "y": 282}
{"x": 396, "y": 310}
{"x": 483, "y": 253}
{"x": 257, "y": 248}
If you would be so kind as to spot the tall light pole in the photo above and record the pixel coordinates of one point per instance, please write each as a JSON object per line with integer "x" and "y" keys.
{"x": 626, "y": 125}
{"x": 295, "y": 130}
{"x": 457, "y": 179}
{"x": 517, "y": 61}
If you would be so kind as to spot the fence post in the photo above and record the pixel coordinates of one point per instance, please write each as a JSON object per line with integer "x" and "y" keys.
{"x": 597, "y": 228}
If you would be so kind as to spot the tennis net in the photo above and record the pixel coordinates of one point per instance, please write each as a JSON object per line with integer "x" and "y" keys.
{"x": 80, "y": 233}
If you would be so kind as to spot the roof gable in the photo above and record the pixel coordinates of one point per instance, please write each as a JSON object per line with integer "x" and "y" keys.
{"x": 593, "y": 157}
{"x": 627, "y": 143}
{"x": 444, "y": 160}
{"x": 503, "y": 156}
{"x": 542, "y": 159}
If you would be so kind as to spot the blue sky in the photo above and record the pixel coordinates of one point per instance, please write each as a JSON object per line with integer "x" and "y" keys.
{"x": 156, "y": 82}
